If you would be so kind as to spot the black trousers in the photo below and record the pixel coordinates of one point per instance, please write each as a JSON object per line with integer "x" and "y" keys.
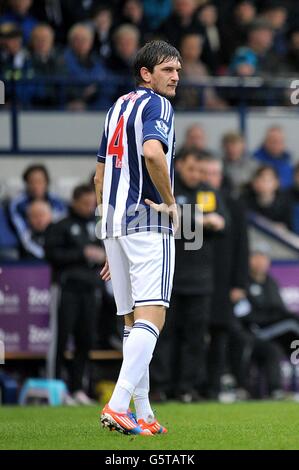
{"x": 178, "y": 365}
{"x": 216, "y": 358}
{"x": 77, "y": 318}
{"x": 247, "y": 350}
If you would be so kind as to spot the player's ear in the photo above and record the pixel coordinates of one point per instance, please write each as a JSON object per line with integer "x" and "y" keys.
{"x": 145, "y": 75}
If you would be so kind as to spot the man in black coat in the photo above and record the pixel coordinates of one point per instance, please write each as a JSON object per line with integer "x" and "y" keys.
{"x": 179, "y": 363}
{"x": 230, "y": 275}
{"x": 75, "y": 255}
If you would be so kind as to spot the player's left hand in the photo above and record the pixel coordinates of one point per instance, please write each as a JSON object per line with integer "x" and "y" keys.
{"x": 105, "y": 273}
{"x": 171, "y": 210}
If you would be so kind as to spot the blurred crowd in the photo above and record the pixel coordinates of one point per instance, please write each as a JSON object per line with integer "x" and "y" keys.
{"x": 91, "y": 44}
{"x": 225, "y": 302}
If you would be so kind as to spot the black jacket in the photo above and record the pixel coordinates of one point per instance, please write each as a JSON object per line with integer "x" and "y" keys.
{"x": 194, "y": 268}
{"x": 64, "y": 248}
{"x": 230, "y": 262}
{"x": 266, "y": 303}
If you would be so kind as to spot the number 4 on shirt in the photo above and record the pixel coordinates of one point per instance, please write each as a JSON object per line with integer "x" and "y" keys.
{"x": 116, "y": 146}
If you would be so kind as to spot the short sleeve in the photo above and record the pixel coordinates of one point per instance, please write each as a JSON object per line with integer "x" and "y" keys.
{"x": 157, "y": 120}
{"x": 101, "y": 155}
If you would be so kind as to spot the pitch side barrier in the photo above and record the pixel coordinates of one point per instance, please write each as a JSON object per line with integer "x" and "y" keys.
{"x": 241, "y": 94}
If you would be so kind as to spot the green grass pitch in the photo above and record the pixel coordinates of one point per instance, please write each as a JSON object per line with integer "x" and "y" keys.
{"x": 263, "y": 425}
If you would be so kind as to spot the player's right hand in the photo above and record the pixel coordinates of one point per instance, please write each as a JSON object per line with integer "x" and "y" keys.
{"x": 171, "y": 210}
{"x": 105, "y": 273}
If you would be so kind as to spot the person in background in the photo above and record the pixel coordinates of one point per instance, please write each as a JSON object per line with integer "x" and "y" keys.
{"x": 39, "y": 216}
{"x": 18, "y": 13}
{"x": 82, "y": 64}
{"x": 156, "y": 11}
{"x": 182, "y": 21}
{"x": 190, "y": 96}
{"x": 45, "y": 62}
{"x": 234, "y": 31}
{"x": 208, "y": 18}
{"x": 37, "y": 182}
{"x": 179, "y": 365}
{"x": 126, "y": 40}
{"x": 195, "y": 137}
{"x": 230, "y": 275}
{"x": 76, "y": 255}
{"x": 238, "y": 167}
{"x": 15, "y": 64}
{"x": 277, "y": 14}
{"x": 133, "y": 13}
{"x": 260, "y": 42}
{"x": 102, "y": 22}
{"x": 244, "y": 63}
{"x": 264, "y": 197}
{"x": 274, "y": 152}
{"x": 291, "y": 59}
{"x": 269, "y": 327}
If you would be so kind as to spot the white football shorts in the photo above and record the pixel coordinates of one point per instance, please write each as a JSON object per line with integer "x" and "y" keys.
{"x": 141, "y": 267}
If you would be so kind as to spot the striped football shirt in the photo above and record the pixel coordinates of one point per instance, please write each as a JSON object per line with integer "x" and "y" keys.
{"x": 136, "y": 117}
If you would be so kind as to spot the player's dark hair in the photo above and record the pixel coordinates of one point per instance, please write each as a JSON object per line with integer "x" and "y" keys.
{"x": 81, "y": 190}
{"x": 32, "y": 168}
{"x": 154, "y": 53}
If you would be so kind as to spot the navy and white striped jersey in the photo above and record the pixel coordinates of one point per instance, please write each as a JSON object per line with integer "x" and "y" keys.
{"x": 136, "y": 117}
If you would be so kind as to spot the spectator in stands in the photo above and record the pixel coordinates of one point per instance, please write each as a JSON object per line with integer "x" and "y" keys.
{"x": 82, "y": 64}
{"x": 156, "y": 11}
{"x": 14, "y": 64}
{"x": 196, "y": 138}
{"x": 77, "y": 11}
{"x": 76, "y": 255}
{"x": 273, "y": 152}
{"x": 266, "y": 198}
{"x": 51, "y": 13}
{"x": 193, "y": 73}
{"x": 133, "y": 13}
{"x": 183, "y": 20}
{"x": 37, "y": 181}
{"x": 244, "y": 63}
{"x": 125, "y": 46}
{"x": 39, "y": 217}
{"x": 238, "y": 167}
{"x": 277, "y": 14}
{"x": 208, "y": 17}
{"x": 18, "y": 13}
{"x": 45, "y": 62}
{"x": 101, "y": 23}
{"x": 291, "y": 61}
{"x": 260, "y": 42}
{"x": 234, "y": 30}
{"x": 294, "y": 200}
{"x": 44, "y": 59}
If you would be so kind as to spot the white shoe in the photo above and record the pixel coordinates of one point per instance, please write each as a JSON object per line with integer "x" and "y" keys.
{"x": 69, "y": 401}
{"x": 81, "y": 398}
